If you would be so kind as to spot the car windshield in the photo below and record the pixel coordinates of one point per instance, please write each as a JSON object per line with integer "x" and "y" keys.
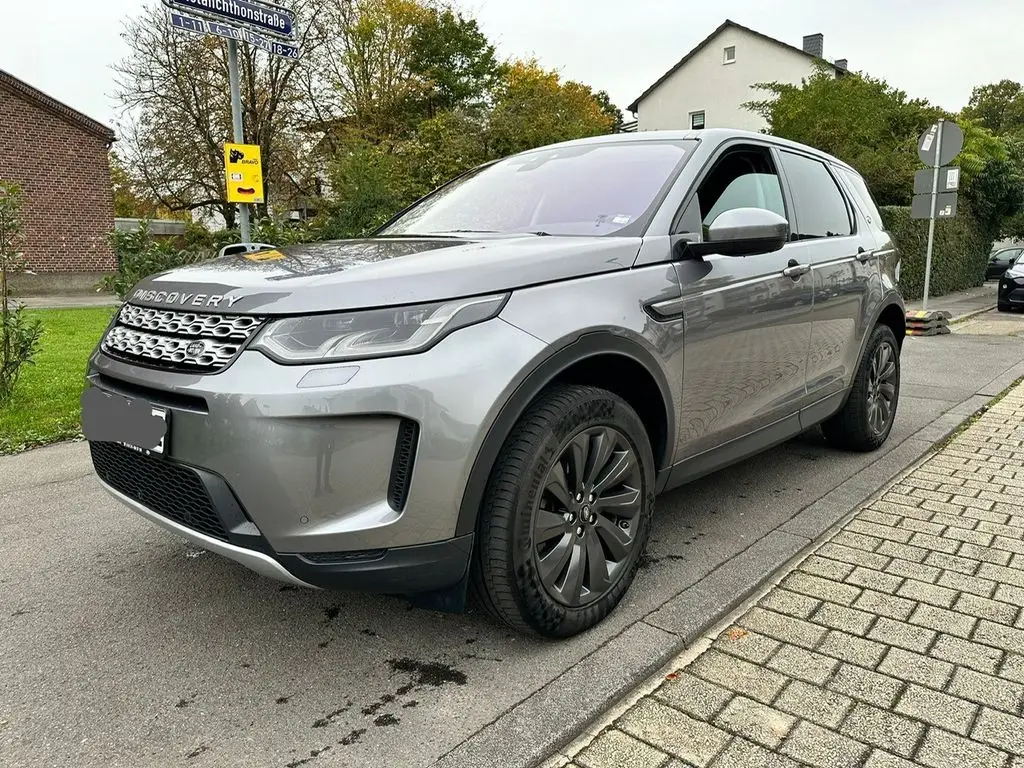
{"x": 597, "y": 189}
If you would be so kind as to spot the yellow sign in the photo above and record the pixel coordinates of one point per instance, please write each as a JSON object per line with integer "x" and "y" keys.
{"x": 244, "y": 173}
{"x": 264, "y": 256}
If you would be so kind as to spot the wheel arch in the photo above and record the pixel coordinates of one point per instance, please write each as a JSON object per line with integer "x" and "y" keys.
{"x": 638, "y": 379}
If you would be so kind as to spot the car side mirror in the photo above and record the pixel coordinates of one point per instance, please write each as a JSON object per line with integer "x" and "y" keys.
{"x": 743, "y": 232}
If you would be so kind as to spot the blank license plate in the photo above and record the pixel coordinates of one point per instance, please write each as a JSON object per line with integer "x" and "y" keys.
{"x": 133, "y": 423}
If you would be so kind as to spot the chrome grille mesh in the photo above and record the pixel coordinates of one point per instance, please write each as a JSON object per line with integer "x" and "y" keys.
{"x": 182, "y": 341}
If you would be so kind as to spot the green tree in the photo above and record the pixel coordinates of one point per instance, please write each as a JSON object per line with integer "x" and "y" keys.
{"x": 998, "y": 107}
{"x": 608, "y": 108}
{"x": 19, "y": 336}
{"x": 533, "y": 107}
{"x": 859, "y": 119}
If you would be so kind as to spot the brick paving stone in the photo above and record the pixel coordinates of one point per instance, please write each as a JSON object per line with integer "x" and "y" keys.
{"x": 844, "y": 619}
{"x": 913, "y": 667}
{"x": 693, "y": 695}
{"x": 739, "y": 675}
{"x": 993, "y": 610}
{"x": 819, "y": 705}
{"x": 943, "y": 750}
{"x": 856, "y": 650}
{"x": 903, "y": 551}
{"x": 822, "y": 589}
{"x": 880, "y": 759}
{"x": 941, "y": 620}
{"x": 755, "y": 721}
{"x": 1001, "y": 574}
{"x": 884, "y": 604}
{"x": 921, "y": 591}
{"x": 984, "y": 553}
{"x": 742, "y": 753}
{"x": 817, "y": 746}
{"x": 880, "y": 518}
{"x": 934, "y": 544}
{"x": 922, "y": 526}
{"x": 938, "y": 709}
{"x": 1013, "y": 668}
{"x": 784, "y": 628}
{"x": 876, "y": 580}
{"x": 790, "y": 603}
{"x": 955, "y": 525}
{"x": 992, "y": 691}
{"x": 1007, "y": 638}
{"x": 911, "y": 570}
{"x": 989, "y": 517}
{"x": 1009, "y": 531}
{"x": 883, "y": 729}
{"x": 857, "y": 541}
{"x": 829, "y": 569}
{"x": 854, "y": 556}
{"x": 678, "y": 734}
{"x": 884, "y": 532}
{"x": 748, "y": 645}
{"x": 615, "y": 749}
{"x": 950, "y": 562}
{"x": 982, "y": 658}
{"x": 1008, "y": 593}
{"x": 902, "y": 635}
{"x": 803, "y": 664}
{"x": 865, "y": 685}
{"x": 1010, "y": 545}
{"x": 1000, "y": 730}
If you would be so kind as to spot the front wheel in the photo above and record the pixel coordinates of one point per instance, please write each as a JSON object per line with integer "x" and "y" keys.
{"x": 567, "y": 513}
{"x": 1003, "y": 307}
{"x": 866, "y": 420}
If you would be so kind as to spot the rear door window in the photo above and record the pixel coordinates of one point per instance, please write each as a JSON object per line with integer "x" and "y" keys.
{"x": 821, "y": 209}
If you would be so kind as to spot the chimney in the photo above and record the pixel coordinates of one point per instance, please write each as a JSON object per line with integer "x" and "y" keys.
{"x": 814, "y": 44}
{"x": 842, "y": 64}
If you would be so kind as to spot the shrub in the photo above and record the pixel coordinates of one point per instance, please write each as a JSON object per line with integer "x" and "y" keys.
{"x": 140, "y": 255}
{"x": 19, "y": 336}
{"x": 959, "y": 255}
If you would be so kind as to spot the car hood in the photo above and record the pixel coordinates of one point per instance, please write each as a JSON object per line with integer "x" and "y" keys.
{"x": 378, "y": 272}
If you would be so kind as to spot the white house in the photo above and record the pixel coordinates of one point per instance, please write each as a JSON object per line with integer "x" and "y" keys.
{"x": 709, "y": 85}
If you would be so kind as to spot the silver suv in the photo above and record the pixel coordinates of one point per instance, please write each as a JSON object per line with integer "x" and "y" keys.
{"x": 487, "y": 394}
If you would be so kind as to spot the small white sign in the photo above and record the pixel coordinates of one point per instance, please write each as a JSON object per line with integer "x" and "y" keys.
{"x": 953, "y": 178}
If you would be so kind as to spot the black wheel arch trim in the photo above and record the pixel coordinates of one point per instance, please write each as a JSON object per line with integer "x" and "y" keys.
{"x": 586, "y": 345}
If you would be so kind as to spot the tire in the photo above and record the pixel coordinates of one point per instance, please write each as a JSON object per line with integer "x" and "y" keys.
{"x": 857, "y": 427}
{"x": 525, "y": 525}
{"x": 1001, "y": 307}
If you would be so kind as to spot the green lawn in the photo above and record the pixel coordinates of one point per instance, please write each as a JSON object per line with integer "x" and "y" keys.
{"x": 45, "y": 405}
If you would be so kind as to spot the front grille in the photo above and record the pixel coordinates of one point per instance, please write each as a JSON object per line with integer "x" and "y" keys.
{"x": 179, "y": 341}
{"x": 170, "y": 490}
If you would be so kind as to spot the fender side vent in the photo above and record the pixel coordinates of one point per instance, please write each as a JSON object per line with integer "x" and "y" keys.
{"x": 401, "y": 465}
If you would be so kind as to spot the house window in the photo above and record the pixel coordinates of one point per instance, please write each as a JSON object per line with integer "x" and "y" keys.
{"x": 730, "y": 54}
{"x": 697, "y": 120}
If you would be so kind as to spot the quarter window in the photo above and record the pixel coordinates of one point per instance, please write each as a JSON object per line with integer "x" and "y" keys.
{"x": 860, "y": 189}
{"x": 821, "y": 209}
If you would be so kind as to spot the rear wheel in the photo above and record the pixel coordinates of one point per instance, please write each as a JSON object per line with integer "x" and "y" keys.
{"x": 567, "y": 513}
{"x": 866, "y": 420}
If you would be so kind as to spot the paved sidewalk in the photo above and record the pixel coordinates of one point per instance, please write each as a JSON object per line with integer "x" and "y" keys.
{"x": 66, "y": 301}
{"x": 898, "y": 642}
{"x": 962, "y": 304}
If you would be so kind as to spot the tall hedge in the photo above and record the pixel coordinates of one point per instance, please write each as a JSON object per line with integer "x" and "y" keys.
{"x": 961, "y": 250}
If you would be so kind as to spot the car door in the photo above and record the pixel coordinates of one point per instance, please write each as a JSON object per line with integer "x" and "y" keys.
{"x": 1000, "y": 261}
{"x": 748, "y": 319}
{"x": 829, "y": 235}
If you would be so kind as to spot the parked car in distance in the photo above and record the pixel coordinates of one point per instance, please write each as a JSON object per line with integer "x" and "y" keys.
{"x": 1010, "y": 295}
{"x": 485, "y": 397}
{"x": 1000, "y": 261}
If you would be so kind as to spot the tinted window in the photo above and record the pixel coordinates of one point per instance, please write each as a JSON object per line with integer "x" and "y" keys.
{"x": 867, "y": 202}
{"x": 742, "y": 178}
{"x": 584, "y": 190}
{"x": 820, "y": 207}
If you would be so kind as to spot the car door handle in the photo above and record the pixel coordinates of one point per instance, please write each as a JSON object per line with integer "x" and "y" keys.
{"x": 795, "y": 270}
{"x": 864, "y": 256}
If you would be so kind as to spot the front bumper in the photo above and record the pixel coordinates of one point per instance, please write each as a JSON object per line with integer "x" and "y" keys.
{"x": 355, "y": 485}
{"x": 1011, "y": 291}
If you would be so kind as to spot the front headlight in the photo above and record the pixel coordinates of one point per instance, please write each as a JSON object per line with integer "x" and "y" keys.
{"x": 370, "y": 333}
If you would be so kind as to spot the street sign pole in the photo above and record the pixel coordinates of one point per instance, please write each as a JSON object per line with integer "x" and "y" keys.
{"x": 236, "y": 119}
{"x": 931, "y": 221}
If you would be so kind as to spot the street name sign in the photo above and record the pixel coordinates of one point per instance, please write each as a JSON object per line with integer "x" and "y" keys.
{"x": 260, "y": 16}
{"x": 208, "y": 27}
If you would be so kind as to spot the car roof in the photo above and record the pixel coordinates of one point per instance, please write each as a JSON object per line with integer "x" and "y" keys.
{"x": 711, "y": 136}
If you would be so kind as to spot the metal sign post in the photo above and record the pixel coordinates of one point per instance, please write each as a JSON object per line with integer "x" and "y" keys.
{"x": 250, "y": 21}
{"x": 937, "y": 146}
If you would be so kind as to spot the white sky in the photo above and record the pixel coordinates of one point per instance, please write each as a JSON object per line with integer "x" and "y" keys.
{"x": 936, "y": 49}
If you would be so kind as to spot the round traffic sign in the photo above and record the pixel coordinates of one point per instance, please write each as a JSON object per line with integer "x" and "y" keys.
{"x": 952, "y": 143}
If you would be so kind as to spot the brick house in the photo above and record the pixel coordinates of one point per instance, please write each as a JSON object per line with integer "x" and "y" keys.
{"x": 59, "y": 157}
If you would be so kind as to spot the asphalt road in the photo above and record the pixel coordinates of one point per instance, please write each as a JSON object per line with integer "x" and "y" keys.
{"x": 120, "y": 645}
